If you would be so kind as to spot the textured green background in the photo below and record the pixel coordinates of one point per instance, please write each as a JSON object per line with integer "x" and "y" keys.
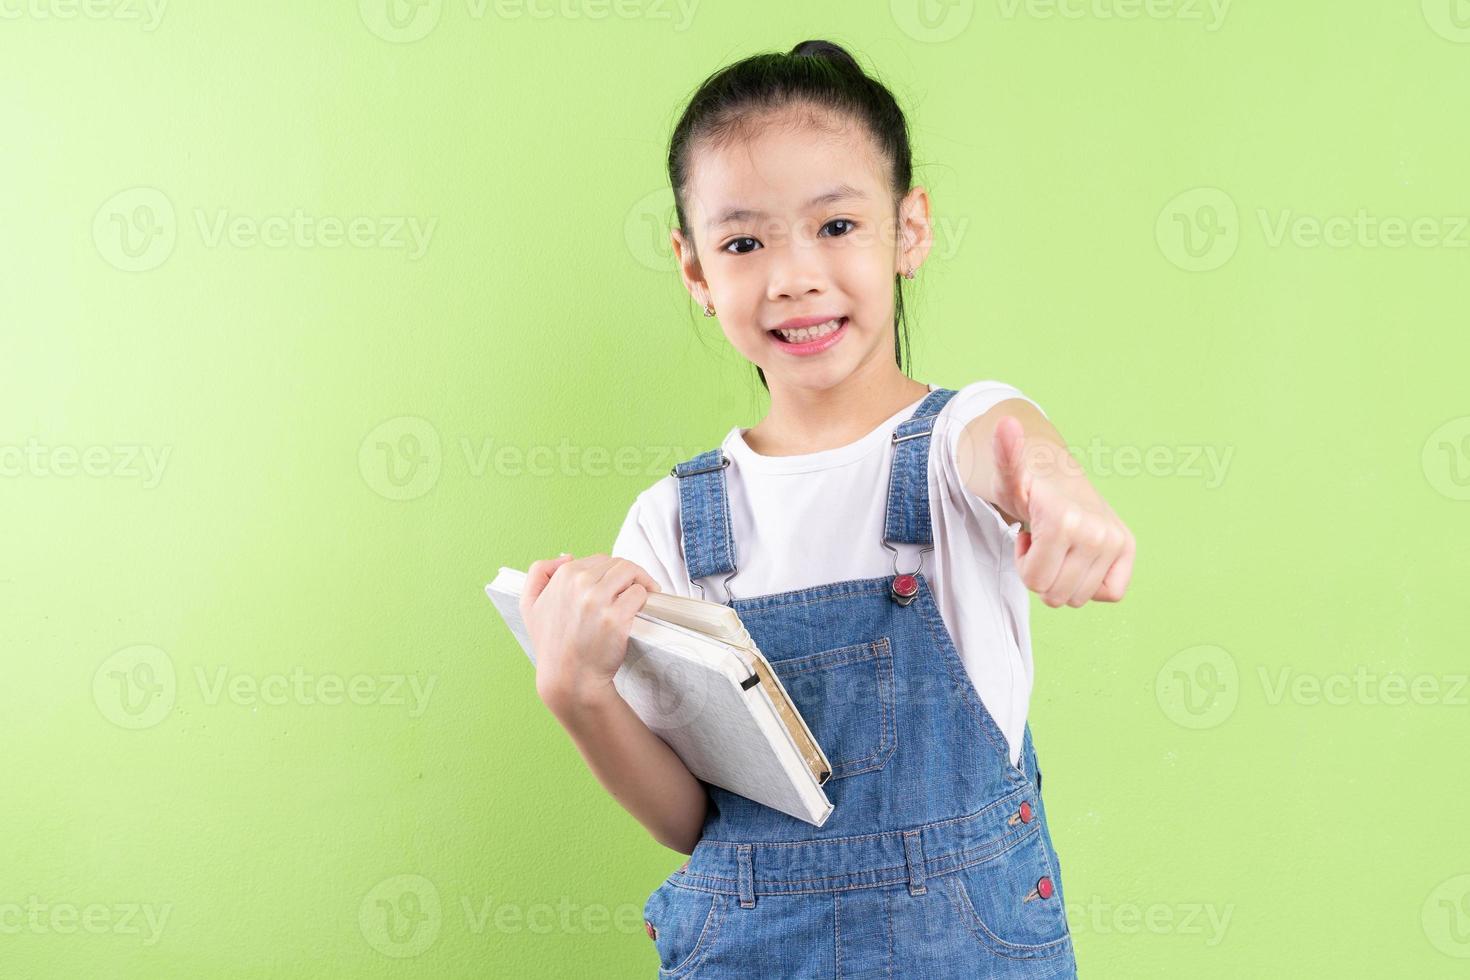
{"x": 358, "y": 435}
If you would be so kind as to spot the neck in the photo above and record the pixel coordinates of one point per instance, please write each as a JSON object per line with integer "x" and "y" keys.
{"x": 810, "y": 420}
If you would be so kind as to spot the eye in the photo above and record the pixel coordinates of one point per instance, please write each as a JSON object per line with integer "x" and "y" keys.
{"x": 841, "y": 221}
{"x": 747, "y": 238}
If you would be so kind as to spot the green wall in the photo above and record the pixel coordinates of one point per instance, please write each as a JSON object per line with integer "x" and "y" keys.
{"x": 311, "y": 318}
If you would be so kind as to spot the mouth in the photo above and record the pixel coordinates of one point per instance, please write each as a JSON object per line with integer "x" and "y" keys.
{"x": 810, "y": 340}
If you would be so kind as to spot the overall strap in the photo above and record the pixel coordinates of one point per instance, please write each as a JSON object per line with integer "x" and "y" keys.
{"x": 704, "y": 503}
{"x": 906, "y": 515}
{"x": 704, "y": 516}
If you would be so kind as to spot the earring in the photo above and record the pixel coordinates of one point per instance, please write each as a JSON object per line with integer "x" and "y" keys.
{"x": 709, "y": 310}
{"x": 909, "y": 274}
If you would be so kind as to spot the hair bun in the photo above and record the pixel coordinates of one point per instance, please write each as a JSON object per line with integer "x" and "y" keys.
{"x": 827, "y": 51}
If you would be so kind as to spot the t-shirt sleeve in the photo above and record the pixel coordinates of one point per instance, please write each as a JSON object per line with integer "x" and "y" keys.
{"x": 644, "y": 541}
{"x": 968, "y": 404}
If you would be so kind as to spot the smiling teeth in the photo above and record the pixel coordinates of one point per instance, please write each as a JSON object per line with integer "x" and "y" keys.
{"x": 806, "y": 334}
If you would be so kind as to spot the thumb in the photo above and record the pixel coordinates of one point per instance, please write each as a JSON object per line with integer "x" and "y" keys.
{"x": 1009, "y": 443}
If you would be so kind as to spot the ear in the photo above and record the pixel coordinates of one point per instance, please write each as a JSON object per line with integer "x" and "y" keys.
{"x": 915, "y": 233}
{"x": 689, "y": 269}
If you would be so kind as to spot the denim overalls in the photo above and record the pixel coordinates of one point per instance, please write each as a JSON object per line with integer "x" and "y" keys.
{"x": 936, "y": 860}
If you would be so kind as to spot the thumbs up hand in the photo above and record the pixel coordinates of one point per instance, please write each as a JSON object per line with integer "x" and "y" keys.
{"x": 1072, "y": 547}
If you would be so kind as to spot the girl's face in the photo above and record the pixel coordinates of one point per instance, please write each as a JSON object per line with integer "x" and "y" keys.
{"x": 796, "y": 226}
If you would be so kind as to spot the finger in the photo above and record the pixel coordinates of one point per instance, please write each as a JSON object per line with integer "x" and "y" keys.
{"x": 1087, "y": 585}
{"x": 643, "y": 577}
{"x": 1049, "y": 546}
{"x": 1115, "y": 582}
{"x": 1023, "y": 545}
{"x": 630, "y": 601}
{"x": 621, "y": 573}
{"x": 1078, "y": 560}
{"x": 537, "y": 577}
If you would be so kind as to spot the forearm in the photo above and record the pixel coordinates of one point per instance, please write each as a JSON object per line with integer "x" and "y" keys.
{"x": 637, "y": 767}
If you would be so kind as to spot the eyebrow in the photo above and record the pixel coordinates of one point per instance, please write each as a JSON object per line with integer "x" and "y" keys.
{"x": 842, "y": 192}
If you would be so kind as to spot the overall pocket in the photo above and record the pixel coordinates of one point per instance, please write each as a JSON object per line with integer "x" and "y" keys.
{"x": 684, "y": 924}
{"x": 1012, "y": 902}
{"x": 846, "y": 696}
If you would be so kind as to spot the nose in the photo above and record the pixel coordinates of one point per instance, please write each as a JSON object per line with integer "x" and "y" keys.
{"x": 796, "y": 272}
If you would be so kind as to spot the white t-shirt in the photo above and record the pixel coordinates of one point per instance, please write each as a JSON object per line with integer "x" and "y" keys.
{"x": 815, "y": 518}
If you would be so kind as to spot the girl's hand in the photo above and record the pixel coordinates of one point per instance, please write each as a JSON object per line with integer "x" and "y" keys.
{"x": 1073, "y": 547}
{"x": 579, "y": 612}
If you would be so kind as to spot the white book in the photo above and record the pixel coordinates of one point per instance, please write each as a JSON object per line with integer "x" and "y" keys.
{"x": 695, "y": 677}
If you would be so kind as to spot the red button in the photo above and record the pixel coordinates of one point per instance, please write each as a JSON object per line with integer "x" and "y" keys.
{"x": 1043, "y": 887}
{"x": 648, "y": 927}
{"x": 905, "y": 585}
{"x": 1025, "y": 812}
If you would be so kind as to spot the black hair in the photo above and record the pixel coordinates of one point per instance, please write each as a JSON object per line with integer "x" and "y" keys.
{"x": 816, "y": 73}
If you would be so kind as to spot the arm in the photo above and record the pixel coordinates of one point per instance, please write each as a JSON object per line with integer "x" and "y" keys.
{"x": 634, "y": 765}
{"x": 1072, "y": 547}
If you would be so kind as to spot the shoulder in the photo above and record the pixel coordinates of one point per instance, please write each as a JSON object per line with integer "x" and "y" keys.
{"x": 977, "y": 398}
{"x": 653, "y": 504}
{"x": 969, "y": 403}
{"x": 650, "y": 536}
{"x": 656, "y": 507}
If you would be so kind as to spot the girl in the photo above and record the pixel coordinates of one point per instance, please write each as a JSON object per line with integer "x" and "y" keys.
{"x": 797, "y": 226}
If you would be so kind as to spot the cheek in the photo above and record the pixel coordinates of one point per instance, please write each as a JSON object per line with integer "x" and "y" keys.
{"x": 742, "y": 333}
